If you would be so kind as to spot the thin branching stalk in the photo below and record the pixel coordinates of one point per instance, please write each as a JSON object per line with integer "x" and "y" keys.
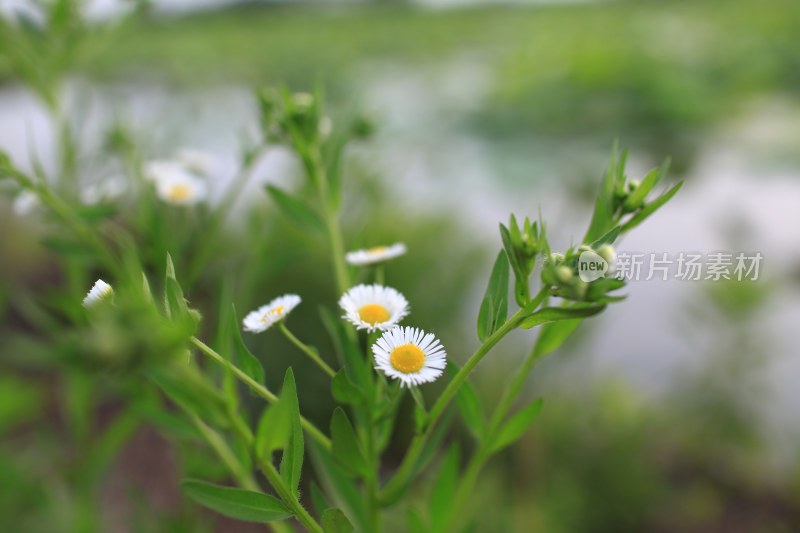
{"x": 289, "y": 498}
{"x": 260, "y": 390}
{"x": 306, "y": 349}
{"x": 407, "y": 467}
{"x": 218, "y": 444}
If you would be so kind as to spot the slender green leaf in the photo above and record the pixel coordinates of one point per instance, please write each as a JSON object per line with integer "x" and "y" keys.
{"x": 552, "y": 314}
{"x": 344, "y": 391}
{"x": 651, "y": 208}
{"x": 274, "y": 430}
{"x": 636, "y": 198}
{"x": 192, "y": 392}
{"x": 335, "y": 521}
{"x": 346, "y": 448}
{"x": 553, "y": 335}
{"x": 170, "y": 268}
{"x": 341, "y": 489}
{"x": 443, "y": 491}
{"x": 415, "y": 521}
{"x": 296, "y": 210}
{"x": 319, "y": 499}
{"x": 517, "y": 425}
{"x": 522, "y": 292}
{"x": 292, "y": 460}
{"x": 469, "y": 406}
{"x": 235, "y": 503}
{"x": 494, "y": 308}
{"x": 607, "y": 238}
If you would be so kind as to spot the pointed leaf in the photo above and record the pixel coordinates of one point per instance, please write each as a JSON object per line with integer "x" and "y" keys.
{"x": 443, "y": 491}
{"x": 344, "y": 391}
{"x": 240, "y": 504}
{"x": 553, "y": 335}
{"x": 292, "y": 460}
{"x": 651, "y": 208}
{"x": 468, "y": 405}
{"x": 334, "y": 521}
{"x": 517, "y": 425}
{"x": 296, "y": 210}
{"x": 319, "y": 499}
{"x": 346, "y": 448}
{"x": 608, "y": 238}
{"x": 342, "y": 490}
{"x": 274, "y": 430}
{"x": 494, "y": 308}
{"x": 551, "y": 314}
{"x": 415, "y": 521}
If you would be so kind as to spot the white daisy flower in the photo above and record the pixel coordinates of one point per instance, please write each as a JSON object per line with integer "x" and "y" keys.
{"x": 268, "y": 315}
{"x": 99, "y": 291}
{"x": 375, "y": 255}
{"x": 197, "y": 161}
{"x": 410, "y": 355}
{"x": 181, "y": 189}
{"x": 373, "y": 307}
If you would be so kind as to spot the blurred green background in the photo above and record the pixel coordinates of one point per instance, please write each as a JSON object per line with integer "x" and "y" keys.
{"x": 676, "y": 410}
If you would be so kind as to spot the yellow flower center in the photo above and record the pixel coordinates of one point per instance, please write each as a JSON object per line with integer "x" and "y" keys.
{"x": 179, "y": 192}
{"x": 373, "y": 313}
{"x": 377, "y": 250}
{"x": 275, "y": 311}
{"x": 407, "y": 358}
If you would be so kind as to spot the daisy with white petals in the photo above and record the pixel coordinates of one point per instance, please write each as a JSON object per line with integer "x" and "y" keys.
{"x": 410, "y": 355}
{"x": 376, "y": 254}
{"x": 99, "y": 291}
{"x": 373, "y": 307}
{"x": 181, "y": 188}
{"x": 268, "y": 315}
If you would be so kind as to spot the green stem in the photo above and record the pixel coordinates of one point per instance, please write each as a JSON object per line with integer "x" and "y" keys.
{"x": 482, "y": 453}
{"x": 371, "y": 488}
{"x": 407, "y": 467}
{"x": 289, "y": 498}
{"x": 224, "y": 452}
{"x": 406, "y": 470}
{"x": 306, "y": 349}
{"x": 260, "y": 390}
{"x": 331, "y": 222}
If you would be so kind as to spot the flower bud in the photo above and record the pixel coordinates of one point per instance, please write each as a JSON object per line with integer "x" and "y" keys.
{"x": 608, "y": 254}
{"x": 564, "y": 274}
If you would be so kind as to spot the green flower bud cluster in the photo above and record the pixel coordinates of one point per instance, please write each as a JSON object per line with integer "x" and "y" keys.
{"x": 560, "y": 273}
{"x": 522, "y": 245}
{"x": 289, "y": 116}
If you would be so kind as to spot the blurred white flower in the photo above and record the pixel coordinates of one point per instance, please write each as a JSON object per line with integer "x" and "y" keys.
{"x": 373, "y": 307}
{"x": 99, "y": 291}
{"x": 268, "y": 315}
{"x": 410, "y": 355}
{"x": 25, "y": 203}
{"x": 181, "y": 188}
{"x": 376, "y": 254}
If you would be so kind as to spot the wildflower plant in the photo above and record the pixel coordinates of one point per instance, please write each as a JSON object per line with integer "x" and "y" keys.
{"x": 187, "y": 375}
{"x": 378, "y": 360}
